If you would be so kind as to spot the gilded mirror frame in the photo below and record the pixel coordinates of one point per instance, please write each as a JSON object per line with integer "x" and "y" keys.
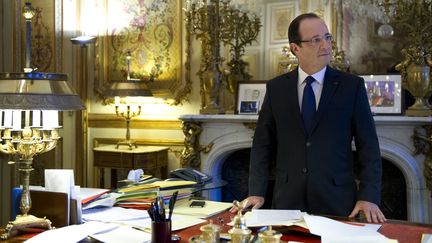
{"x": 153, "y": 37}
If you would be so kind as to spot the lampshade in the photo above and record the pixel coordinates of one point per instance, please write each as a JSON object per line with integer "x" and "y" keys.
{"x": 37, "y": 91}
{"x": 128, "y": 88}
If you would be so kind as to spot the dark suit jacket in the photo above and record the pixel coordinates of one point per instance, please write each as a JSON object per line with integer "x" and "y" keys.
{"x": 315, "y": 173}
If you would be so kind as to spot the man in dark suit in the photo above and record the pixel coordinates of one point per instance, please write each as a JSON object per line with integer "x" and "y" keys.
{"x": 307, "y": 123}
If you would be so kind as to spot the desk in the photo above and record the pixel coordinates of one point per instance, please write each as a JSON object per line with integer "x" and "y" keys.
{"x": 152, "y": 159}
{"x": 402, "y": 231}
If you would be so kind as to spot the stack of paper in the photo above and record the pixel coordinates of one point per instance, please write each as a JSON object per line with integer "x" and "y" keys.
{"x": 88, "y": 195}
{"x": 140, "y": 196}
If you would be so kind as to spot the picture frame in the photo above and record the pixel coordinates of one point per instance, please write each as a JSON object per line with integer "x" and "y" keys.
{"x": 250, "y": 95}
{"x": 384, "y": 93}
{"x": 249, "y": 107}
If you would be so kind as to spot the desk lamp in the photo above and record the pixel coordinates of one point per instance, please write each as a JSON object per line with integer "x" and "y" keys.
{"x": 126, "y": 93}
{"x": 29, "y": 105}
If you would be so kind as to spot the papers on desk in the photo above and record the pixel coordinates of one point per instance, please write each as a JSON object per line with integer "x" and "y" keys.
{"x": 72, "y": 233}
{"x": 338, "y": 232}
{"x": 210, "y": 208}
{"x": 330, "y": 230}
{"x": 134, "y": 217}
{"x": 89, "y": 194}
{"x": 264, "y": 217}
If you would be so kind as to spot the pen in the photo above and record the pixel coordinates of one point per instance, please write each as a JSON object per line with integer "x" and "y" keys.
{"x": 161, "y": 208}
{"x": 147, "y": 230}
{"x": 171, "y": 204}
{"x": 150, "y": 212}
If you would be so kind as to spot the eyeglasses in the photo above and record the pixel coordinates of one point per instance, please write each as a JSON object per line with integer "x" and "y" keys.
{"x": 317, "y": 40}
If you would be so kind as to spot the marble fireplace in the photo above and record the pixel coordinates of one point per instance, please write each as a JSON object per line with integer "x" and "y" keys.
{"x": 221, "y": 135}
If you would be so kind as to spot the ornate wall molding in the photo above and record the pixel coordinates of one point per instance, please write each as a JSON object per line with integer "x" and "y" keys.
{"x": 191, "y": 154}
{"x": 97, "y": 120}
{"x": 422, "y": 139}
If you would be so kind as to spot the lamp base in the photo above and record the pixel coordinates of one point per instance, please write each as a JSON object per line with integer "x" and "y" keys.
{"x": 131, "y": 144}
{"x": 22, "y": 222}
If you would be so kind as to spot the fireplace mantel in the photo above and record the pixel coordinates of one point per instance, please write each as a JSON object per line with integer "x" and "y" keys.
{"x": 224, "y": 134}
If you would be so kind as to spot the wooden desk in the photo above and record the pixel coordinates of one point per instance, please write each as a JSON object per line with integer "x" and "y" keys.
{"x": 152, "y": 159}
{"x": 402, "y": 231}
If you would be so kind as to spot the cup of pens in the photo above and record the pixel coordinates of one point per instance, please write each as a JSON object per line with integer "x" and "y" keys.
{"x": 161, "y": 224}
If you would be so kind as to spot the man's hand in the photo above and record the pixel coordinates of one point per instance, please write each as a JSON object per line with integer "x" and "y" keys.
{"x": 254, "y": 201}
{"x": 372, "y": 212}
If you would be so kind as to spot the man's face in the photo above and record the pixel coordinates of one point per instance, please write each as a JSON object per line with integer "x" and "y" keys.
{"x": 313, "y": 57}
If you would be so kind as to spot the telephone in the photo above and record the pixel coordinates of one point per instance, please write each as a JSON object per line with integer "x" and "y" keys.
{"x": 190, "y": 174}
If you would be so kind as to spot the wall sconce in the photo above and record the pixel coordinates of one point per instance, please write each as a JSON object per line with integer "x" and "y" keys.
{"x": 29, "y": 104}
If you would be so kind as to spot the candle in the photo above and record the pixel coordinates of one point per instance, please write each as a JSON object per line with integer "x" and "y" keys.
{"x": 16, "y": 119}
{"x": 8, "y": 118}
{"x": 46, "y": 120}
{"x": 36, "y": 119}
{"x": 55, "y": 119}
{"x": 50, "y": 119}
{"x": 26, "y": 118}
{"x": 117, "y": 100}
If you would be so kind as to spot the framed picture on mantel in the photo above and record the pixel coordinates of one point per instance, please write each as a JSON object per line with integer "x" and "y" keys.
{"x": 384, "y": 93}
{"x": 250, "y": 96}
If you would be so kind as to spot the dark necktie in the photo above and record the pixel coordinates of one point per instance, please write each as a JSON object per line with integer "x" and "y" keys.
{"x": 308, "y": 104}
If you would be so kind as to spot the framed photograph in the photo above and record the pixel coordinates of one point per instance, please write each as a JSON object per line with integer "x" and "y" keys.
{"x": 250, "y": 96}
{"x": 248, "y": 107}
{"x": 384, "y": 93}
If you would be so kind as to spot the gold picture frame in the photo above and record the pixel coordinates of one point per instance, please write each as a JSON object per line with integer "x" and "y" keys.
{"x": 151, "y": 35}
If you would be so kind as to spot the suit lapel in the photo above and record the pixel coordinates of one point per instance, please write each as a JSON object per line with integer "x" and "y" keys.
{"x": 331, "y": 82}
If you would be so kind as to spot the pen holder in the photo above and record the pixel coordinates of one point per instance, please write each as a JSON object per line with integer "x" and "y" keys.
{"x": 161, "y": 231}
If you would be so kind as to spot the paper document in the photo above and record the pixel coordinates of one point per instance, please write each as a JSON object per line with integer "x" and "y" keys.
{"x": 134, "y": 217}
{"x": 106, "y": 200}
{"x": 209, "y": 209}
{"x": 266, "y": 217}
{"x": 426, "y": 238}
{"x": 123, "y": 234}
{"x": 57, "y": 180}
{"x": 109, "y": 214}
{"x": 89, "y": 194}
{"x": 334, "y": 231}
{"x": 72, "y": 233}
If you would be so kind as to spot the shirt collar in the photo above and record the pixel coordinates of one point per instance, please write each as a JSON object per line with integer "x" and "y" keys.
{"x": 318, "y": 76}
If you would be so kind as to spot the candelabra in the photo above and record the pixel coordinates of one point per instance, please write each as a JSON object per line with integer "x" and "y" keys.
{"x": 36, "y": 97}
{"x": 413, "y": 19}
{"x": 127, "y": 111}
{"x": 131, "y": 89}
{"x": 213, "y": 22}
